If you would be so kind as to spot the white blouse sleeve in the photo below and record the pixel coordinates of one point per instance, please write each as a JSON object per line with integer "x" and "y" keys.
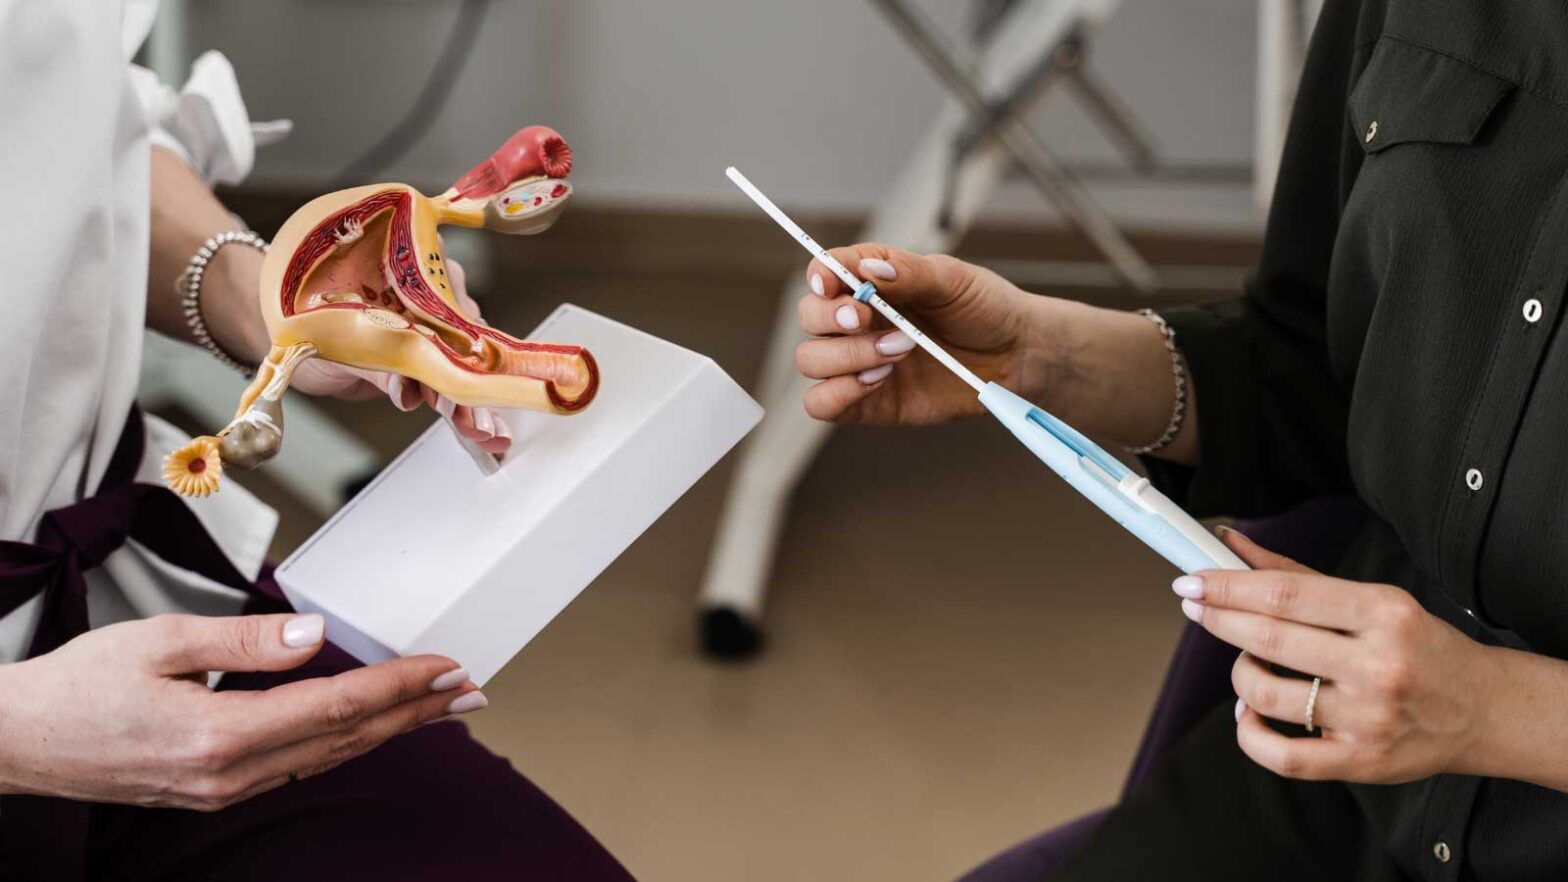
{"x": 205, "y": 122}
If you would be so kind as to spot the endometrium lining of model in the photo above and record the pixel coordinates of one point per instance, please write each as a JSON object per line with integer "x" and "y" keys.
{"x": 359, "y": 277}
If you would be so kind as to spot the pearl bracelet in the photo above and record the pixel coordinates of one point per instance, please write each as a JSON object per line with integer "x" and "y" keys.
{"x": 1179, "y": 368}
{"x": 188, "y": 287}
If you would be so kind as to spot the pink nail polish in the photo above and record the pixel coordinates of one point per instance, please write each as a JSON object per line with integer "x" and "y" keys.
{"x": 445, "y": 407}
{"x": 896, "y": 343}
{"x": 878, "y": 269}
{"x": 816, "y": 285}
{"x": 1192, "y": 609}
{"x": 302, "y": 631}
{"x": 483, "y": 421}
{"x": 874, "y": 375}
{"x": 468, "y": 702}
{"x": 1188, "y": 586}
{"x": 449, "y": 680}
{"x": 502, "y": 430}
{"x": 847, "y": 318}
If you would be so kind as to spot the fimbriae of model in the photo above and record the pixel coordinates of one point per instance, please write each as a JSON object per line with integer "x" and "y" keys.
{"x": 358, "y": 277}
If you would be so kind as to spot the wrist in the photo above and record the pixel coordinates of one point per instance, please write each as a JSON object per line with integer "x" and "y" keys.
{"x": 1518, "y": 731}
{"x": 230, "y": 305}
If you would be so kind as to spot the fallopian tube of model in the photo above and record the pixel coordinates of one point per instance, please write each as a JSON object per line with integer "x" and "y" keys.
{"x": 358, "y": 277}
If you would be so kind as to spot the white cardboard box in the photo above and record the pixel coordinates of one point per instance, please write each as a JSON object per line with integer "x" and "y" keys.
{"x": 435, "y": 557}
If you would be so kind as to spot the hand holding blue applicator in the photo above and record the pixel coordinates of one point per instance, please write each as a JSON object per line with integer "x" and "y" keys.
{"x": 1121, "y": 493}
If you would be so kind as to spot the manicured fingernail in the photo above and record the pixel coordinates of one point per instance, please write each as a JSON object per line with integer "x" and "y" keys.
{"x": 483, "y": 422}
{"x": 874, "y": 375}
{"x": 1241, "y": 708}
{"x": 302, "y": 631}
{"x": 1192, "y": 609}
{"x": 1223, "y": 531}
{"x": 1188, "y": 586}
{"x": 896, "y": 343}
{"x": 816, "y": 285}
{"x": 847, "y": 318}
{"x": 468, "y": 702}
{"x": 878, "y": 269}
{"x": 502, "y": 430}
{"x": 444, "y": 406}
{"x": 449, "y": 680}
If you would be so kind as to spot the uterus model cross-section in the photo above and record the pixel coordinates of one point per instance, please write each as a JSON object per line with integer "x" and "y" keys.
{"x": 358, "y": 277}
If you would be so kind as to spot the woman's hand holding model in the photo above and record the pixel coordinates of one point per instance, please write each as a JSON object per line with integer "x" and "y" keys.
{"x": 1404, "y": 695}
{"x": 123, "y": 713}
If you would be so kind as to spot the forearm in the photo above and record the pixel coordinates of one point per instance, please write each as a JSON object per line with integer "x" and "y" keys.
{"x": 185, "y": 214}
{"x": 1523, "y": 727}
{"x": 1108, "y": 373}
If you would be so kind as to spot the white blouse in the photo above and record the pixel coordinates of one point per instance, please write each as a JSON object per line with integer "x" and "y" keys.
{"x": 77, "y": 121}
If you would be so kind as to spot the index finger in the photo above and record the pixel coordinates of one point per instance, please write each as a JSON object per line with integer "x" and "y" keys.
{"x": 305, "y": 708}
{"x": 1297, "y": 597}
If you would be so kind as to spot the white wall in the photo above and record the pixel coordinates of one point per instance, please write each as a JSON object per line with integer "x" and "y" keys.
{"x": 816, "y": 99}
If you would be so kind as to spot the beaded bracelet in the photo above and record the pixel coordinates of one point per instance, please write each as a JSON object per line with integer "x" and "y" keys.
{"x": 188, "y": 287}
{"x": 1179, "y": 368}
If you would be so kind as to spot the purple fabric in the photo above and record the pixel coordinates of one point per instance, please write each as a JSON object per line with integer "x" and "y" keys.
{"x": 431, "y": 804}
{"x": 1198, "y": 678}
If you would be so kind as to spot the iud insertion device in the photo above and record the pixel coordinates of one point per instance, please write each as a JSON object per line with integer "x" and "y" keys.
{"x": 1120, "y": 492}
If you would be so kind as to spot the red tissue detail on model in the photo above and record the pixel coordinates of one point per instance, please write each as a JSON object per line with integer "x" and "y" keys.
{"x": 197, "y": 466}
{"x": 536, "y": 150}
{"x": 403, "y": 263}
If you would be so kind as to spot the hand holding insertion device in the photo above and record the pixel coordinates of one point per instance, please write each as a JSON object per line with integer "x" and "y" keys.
{"x": 1120, "y": 492}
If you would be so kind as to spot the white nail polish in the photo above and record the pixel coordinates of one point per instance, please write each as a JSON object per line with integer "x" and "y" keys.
{"x": 1192, "y": 609}
{"x": 483, "y": 422}
{"x": 1190, "y": 587}
{"x": 896, "y": 343}
{"x": 878, "y": 269}
{"x": 449, "y": 680}
{"x": 1241, "y": 708}
{"x": 445, "y": 407}
{"x": 502, "y": 430}
{"x": 816, "y": 285}
{"x": 302, "y": 631}
{"x": 874, "y": 375}
{"x": 468, "y": 702}
{"x": 847, "y": 317}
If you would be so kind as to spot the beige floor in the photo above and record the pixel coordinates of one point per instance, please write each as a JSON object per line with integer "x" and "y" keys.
{"x": 962, "y": 652}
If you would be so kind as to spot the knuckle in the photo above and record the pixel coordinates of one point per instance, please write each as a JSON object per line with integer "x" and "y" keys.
{"x": 1270, "y": 639}
{"x": 209, "y": 793}
{"x": 1393, "y": 678}
{"x": 342, "y": 710}
{"x": 1402, "y": 614}
{"x": 211, "y": 749}
{"x": 1264, "y": 697}
{"x": 1281, "y": 596}
{"x": 243, "y": 638}
{"x": 1289, "y": 762}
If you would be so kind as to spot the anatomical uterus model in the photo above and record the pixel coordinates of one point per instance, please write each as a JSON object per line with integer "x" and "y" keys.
{"x": 358, "y": 277}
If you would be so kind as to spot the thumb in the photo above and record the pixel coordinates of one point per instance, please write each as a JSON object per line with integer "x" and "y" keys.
{"x": 1256, "y": 556}
{"x": 905, "y": 278}
{"x": 197, "y": 644}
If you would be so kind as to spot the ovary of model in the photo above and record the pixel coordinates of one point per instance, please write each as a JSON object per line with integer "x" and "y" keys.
{"x": 358, "y": 277}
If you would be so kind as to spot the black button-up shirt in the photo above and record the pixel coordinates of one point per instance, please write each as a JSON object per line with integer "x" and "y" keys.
{"x": 1399, "y": 343}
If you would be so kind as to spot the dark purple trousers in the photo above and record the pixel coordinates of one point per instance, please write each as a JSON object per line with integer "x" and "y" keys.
{"x": 1197, "y": 681}
{"x": 430, "y": 804}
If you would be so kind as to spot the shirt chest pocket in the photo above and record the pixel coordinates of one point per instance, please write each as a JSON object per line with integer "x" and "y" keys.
{"x": 1409, "y": 94}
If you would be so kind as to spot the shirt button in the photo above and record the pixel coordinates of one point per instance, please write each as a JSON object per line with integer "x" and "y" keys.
{"x": 1473, "y": 479}
{"x": 1441, "y": 852}
{"x": 1371, "y": 131}
{"x": 1532, "y": 310}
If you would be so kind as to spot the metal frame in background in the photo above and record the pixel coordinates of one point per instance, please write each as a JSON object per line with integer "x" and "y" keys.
{"x": 977, "y": 139}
